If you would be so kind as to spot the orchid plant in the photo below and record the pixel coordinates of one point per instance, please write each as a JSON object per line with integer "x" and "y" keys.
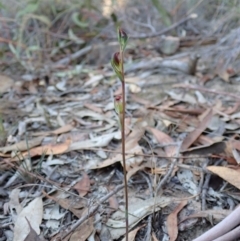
{"x": 120, "y": 106}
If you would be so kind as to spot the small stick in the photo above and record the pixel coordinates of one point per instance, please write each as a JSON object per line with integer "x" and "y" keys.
{"x": 173, "y": 26}
{"x": 202, "y": 89}
{"x": 168, "y": 174}
{"x": 92, "y": 210}
{"x": 149, "y": 226}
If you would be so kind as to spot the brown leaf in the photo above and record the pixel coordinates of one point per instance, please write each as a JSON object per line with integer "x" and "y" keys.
{"x": 224, "y": 149}
{"x": 32, "y": 236}
{"x": 172, "y": 223}
{"x": 164, "y": 139}
{"x": 93, "y": 107}
{"x": 51, "y": 149}
{"x": 113, "y": 204}
{"x": 83, "y": 186}
{"x": 134, "y": 170}
{"x": 228, "y": 174}
{"x": 61, "y": 130}
{"x": 83, "y": 231}
{"x": 192, "y": 136}
{"x": 68, "y": 204}
{"x": 132, "y": 234}
{"x": 205, "y": 140}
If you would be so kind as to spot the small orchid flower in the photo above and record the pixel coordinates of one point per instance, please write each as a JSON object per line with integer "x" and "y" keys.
{"x": 116, "y": 65}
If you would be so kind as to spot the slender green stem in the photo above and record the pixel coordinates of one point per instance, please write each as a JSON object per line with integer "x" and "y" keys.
{"x": 123, "y": 145}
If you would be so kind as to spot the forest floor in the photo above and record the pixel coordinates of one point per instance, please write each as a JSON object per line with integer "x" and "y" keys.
{"x": 61, "y": 175}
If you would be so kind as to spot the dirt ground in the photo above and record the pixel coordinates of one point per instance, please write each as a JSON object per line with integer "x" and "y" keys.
{"x": 61, "y": 172}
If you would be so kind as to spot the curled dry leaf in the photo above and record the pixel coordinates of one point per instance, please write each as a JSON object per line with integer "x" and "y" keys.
{"x": 172, "y": 223}
{"x": 83, "y": 186}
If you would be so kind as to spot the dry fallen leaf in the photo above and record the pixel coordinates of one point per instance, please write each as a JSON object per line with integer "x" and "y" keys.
{"x": 83, "y": 186}
{"x": 5, "y": 83}
{"x": 51, "y": 149}
{"x": 228, "y": 174}
{"x": 22, "y": 145}
{"x": 135, "y": 157}
{"x": 61, "y": 130}
{"x": 172, "y": 223}
{"x": 164, "y": 139}
{"x": 192, "y": 136}
{"x": 13, "y": 205}
{"x": 113, "y": 204}
{"x": 137, "y": 211}
{"x": 133, "y": 233}
{"x": 32, "y": 236}
{"x": 83, "y": 231}
{"x": 34, "y": 212}
{"x": 74, "y": 206}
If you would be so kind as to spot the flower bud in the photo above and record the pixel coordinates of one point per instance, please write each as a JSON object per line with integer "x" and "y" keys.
{"x": 116, "y": 59}
{"x": 122, "y": 38}
{"x": 116, "y": 65}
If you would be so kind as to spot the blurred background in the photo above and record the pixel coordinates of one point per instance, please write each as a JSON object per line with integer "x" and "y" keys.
{"x": 35, "y": 34}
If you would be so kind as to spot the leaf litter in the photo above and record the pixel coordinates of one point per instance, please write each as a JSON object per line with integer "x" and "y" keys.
{"x": 64, "y": 127}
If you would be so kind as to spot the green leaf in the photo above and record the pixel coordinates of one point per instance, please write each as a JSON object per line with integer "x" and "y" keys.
{"x": 163, "y": 12}
{"x": 2, "y": 6}
{"x": 74, "y": 37}
{"x": 14, "y": 50}
{"x": 42, "y": 18}
{"x": 30, "y": 8}
{"x": 75, "y": 19}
